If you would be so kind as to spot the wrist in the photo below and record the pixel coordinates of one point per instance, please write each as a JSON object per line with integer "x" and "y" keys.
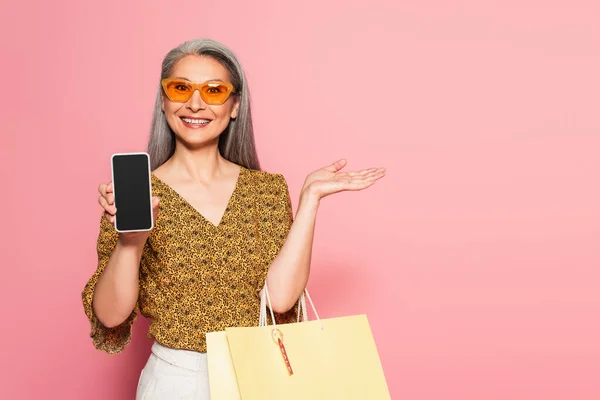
{"x": 309, "y": 199}
{"x": 135, "y": 243}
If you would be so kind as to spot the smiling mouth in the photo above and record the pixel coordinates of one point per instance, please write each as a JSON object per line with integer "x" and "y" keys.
{"x": 195, "y": 121}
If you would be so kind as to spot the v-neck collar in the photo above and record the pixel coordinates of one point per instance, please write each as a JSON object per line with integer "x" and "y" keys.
{"x": 198, "y": 213}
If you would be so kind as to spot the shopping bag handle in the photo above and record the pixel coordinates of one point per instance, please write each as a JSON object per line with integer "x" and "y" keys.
{"x": 265, "y": 298}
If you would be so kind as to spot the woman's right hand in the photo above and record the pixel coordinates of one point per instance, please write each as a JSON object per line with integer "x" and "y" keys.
{"x": 107, "y": 201}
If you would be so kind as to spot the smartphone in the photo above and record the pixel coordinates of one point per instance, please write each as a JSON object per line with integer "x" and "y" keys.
{"x": 132, "y": 188}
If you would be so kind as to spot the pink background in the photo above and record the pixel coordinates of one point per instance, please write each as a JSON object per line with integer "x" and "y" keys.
{"x": 476, "y": 259}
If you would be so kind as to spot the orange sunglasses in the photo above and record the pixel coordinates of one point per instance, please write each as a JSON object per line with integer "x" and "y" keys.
{"x": 212, "y": 93}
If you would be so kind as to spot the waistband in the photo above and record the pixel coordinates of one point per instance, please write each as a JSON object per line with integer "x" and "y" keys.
{"x": 188, "y": 359}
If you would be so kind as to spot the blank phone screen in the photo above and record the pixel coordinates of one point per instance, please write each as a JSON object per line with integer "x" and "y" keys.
{"x": 132, "y": 190}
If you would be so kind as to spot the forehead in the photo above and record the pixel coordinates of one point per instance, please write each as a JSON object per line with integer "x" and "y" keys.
{"x": 199, "y": 69}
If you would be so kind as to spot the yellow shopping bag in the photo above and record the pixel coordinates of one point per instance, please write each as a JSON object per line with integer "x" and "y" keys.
{"x": 332, "y": 358}
{"x": 221, "y": 374}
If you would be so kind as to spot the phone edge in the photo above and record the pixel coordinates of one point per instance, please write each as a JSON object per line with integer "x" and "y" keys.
{"x": 112, "y": 174}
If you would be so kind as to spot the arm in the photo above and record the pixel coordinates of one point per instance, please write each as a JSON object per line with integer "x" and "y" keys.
{"x": 289, "y": 271}
{"x": 288, "y": 274}
{"x": 116, "y": 292}
{"x": 114, "y": 288}
{"x": 107, "y": 334}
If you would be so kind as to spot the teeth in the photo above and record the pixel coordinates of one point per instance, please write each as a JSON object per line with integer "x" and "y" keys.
{"x": 196, "y": 121}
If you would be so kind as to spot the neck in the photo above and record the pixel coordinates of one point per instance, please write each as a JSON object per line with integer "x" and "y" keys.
{"x": 200, "y": 164}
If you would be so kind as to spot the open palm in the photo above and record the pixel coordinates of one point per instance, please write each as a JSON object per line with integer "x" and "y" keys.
{"x": 330, "y": 179}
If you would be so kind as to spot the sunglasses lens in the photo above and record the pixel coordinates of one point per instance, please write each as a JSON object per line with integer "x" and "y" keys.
{"x": 215, "y": 93}
{"x": 178, "y": 91}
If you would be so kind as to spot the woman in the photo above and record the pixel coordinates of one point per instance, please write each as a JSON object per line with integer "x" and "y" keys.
{"x": 222, "y": 227}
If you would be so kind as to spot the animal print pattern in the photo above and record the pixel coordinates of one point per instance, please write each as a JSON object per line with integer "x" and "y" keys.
{"x": 196, "y": 277}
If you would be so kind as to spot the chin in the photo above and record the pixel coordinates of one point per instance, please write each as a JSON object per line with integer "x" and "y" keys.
{"x": 197, "y": 139}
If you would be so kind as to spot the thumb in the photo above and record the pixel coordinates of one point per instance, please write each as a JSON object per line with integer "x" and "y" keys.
{"x": 336, "y": 166}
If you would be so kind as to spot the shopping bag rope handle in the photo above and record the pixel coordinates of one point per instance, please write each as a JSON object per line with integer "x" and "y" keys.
{"x": 301, "y": 308}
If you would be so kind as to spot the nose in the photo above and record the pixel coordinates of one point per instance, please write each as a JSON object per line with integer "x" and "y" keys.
{"x": 195, "y": 103}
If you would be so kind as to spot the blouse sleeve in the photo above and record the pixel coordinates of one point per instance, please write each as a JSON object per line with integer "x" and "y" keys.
{"x": 109, "y": 340}
{"x": 276, "y": 217}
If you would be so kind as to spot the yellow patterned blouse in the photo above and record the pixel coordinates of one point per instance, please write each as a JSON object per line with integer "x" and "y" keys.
{"x": 196, "y": 277}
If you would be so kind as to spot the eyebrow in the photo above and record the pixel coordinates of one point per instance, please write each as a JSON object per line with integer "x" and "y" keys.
{"x": 208, "y": 80}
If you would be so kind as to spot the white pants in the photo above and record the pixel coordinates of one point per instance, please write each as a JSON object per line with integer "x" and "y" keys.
{"x": 172, "y": 374}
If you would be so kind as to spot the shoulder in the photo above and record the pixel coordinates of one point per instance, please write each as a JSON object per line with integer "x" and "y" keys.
{"x": 267, "y": 180}
{"x": 272, "y": 197}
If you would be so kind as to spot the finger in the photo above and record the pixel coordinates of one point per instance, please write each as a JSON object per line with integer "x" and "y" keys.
{"x": 375, "y": 174}
{"x": 357, "y": 177}
{"x": 155, "y": 208}
{"x": 373, "y": 170}
{"x": 367, "y": 180}
{"x": 109, "y": 187}
{"x": 358, "y": 185}
{"x": 110, "y": 198}
{"x": 349, "y": 175}
{"x": 110, "y": 218}
{"x": 364, "y": 172}
{"x": 372, "y": 173}
{"x": 112, "y": 210}
{"x": 354, "y": 173}
{"x": 336, "y": 166}
{"x": 102, "y": 189}
{"x": 337, "y": 187}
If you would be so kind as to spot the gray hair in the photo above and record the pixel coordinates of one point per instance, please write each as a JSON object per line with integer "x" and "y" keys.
{"x": 236, "y": 143}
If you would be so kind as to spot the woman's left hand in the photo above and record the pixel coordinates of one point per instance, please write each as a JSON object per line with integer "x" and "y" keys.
{"x": 329, "y": 180}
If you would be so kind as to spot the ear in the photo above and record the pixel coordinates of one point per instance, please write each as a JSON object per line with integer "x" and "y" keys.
{"x": 236, "y": 109}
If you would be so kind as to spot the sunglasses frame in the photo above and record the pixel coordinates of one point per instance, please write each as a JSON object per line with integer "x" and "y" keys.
{"x": 199, "y": 87}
